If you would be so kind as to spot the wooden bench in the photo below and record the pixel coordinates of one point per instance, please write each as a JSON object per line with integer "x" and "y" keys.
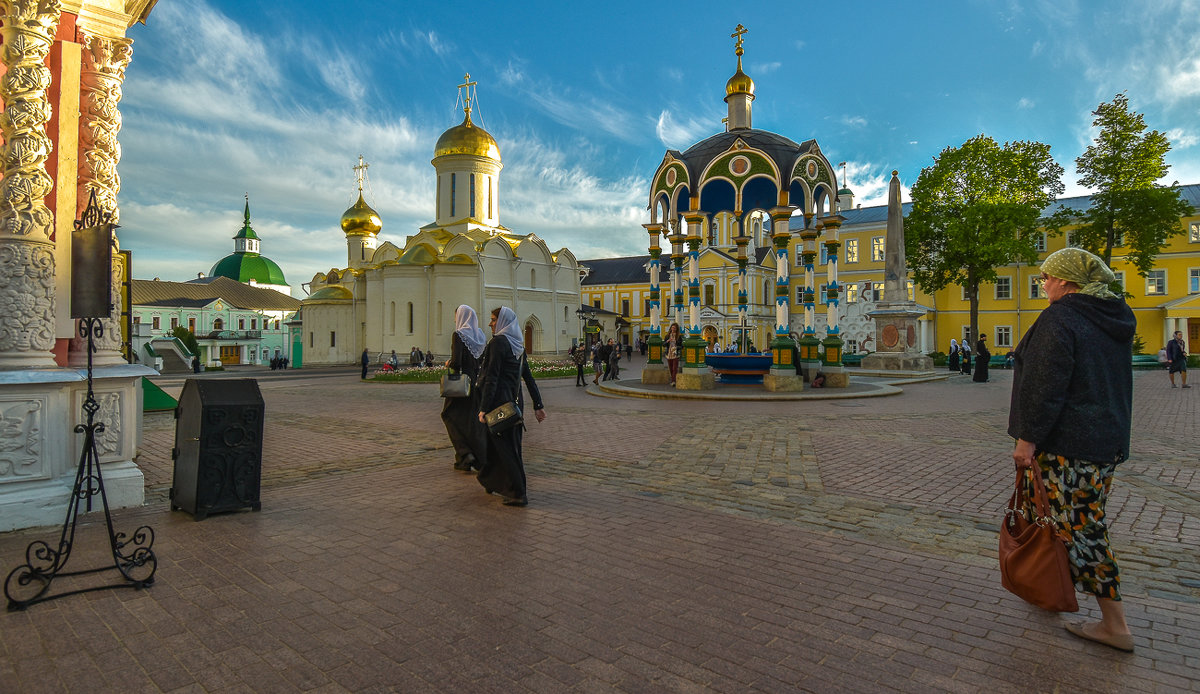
{"x": 1146, "y": 361}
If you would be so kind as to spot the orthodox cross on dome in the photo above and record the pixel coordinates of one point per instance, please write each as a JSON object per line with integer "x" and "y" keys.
{"x": 737, "y": 34}
{"x": 467, "y": 84}
{"x": 360, "y": 171}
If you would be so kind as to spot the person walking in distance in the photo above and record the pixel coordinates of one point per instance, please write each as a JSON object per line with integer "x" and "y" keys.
{"x": 672, "y": 345}
{"x": 366, "y": 361}
{"x": 1072, "y": 398}
{"x": 1177, "y": 359}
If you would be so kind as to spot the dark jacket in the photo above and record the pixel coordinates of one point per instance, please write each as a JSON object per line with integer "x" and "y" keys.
{"x": 1174, "y": 350}
{"x": 461, "y": 359}
{"x": 500, "y": 378}
{"x": 1073, "y": 380}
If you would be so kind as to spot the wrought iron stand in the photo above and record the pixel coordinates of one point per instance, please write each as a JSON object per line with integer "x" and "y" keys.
{"x": 29, "y": 583}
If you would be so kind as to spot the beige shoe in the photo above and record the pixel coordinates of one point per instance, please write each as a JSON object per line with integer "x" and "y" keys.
{"x": 1121, "y": 642}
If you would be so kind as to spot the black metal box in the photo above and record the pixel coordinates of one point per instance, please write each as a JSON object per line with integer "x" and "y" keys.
{"x": 218, "y": 446}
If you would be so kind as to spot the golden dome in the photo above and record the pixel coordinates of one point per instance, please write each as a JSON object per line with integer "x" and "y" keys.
{"x": 740, "y": 83}
{"x": 360, "y": 219}
{"x": 330, "y": 294}
{"x": 467, "y": 138}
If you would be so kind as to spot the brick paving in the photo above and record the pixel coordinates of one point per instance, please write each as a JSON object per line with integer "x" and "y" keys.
{"x": 674, "y": 546}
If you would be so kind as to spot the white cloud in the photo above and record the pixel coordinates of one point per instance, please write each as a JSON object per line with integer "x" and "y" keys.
{"x": 870, "y": 182}
{"x": 1025, "y": 103}
{"x": 1181, "y": 139}
{"x": 676, "y": 135}
{"x": 766, "y": 68}
{"x": 853, "y": 121}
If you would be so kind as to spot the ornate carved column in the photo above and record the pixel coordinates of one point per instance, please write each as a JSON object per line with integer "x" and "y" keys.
{"x": 655, "y": 341}
{"x": 26, "y": 249}
{"x": 101, "y": 75}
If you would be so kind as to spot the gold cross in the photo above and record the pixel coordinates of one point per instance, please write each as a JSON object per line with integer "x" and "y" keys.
{"x": 737, "y": 34}
{"x": 360, "y": 171}
{"x": 467, "y": 84}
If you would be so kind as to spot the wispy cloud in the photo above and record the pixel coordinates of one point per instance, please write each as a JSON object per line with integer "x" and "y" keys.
{"x": 1181, "y": 139}
{"x": 766, "y": 68}
{"x": 853, "y": 121}
{"x": 1025, "y": 103}
{"x": 678, "y": 135}
{"x": 870, "y": 181}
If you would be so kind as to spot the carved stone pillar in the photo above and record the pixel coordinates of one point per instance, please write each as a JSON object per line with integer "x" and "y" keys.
{"x": 26, "y": 249}
{"x": 102, "y": 73}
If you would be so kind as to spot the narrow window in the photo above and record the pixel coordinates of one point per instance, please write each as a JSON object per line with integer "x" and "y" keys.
{"x": 439, "y": 197}
{"x": 877, "y": 249}
{"x": 852, "y": 251}
{"x": 472, "y": 196}
{"x": 453, "y": 187}
{"x": 625, "y": 307}
{"x": 332, "y": 339}
{"x": 410, "y": 317}
{"x": 155, "y": 322}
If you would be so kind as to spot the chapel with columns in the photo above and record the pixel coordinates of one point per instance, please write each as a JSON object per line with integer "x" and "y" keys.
{"x": 746, "y": 186}
{"x": 63, "y": 67}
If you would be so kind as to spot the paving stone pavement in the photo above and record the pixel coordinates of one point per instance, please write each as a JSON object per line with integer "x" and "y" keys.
{"x": 673, "y": 546}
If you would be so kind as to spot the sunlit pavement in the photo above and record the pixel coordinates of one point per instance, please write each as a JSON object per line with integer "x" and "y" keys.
{"x": 836, "y": 545}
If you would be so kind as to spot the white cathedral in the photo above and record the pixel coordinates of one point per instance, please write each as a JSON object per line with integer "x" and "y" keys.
{"x": 394, "y": 298}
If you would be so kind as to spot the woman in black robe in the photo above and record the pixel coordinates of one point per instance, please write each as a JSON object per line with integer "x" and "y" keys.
{"x": 982, "y": 355}
{"x": 953, "y": 361}
{"x": 504, "y": 367}
{"x": 965, "y": 350}
{"x": 459, "y": 414}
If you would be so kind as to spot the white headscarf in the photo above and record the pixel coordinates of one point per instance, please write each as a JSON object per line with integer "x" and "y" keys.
{"x": 953, "y": 344}
{"x": 466, "y": 324}
{"x": 506, "y": 327}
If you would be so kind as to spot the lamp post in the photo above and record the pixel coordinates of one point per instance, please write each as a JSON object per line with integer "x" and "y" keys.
{"x": 584, "y": 316}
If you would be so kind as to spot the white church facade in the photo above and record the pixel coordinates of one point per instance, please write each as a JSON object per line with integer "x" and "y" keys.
{"x": 396, "y": 297}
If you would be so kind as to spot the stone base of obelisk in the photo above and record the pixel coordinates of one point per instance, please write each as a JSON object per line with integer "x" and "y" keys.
{"x": 836, "y": 377}
{"x": 695, "y": 379}
{"x": 897, "y": 361}
{"x": 656, "y": 375}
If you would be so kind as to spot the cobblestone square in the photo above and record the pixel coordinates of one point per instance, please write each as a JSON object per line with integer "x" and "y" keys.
{"x": 683, "y": 546}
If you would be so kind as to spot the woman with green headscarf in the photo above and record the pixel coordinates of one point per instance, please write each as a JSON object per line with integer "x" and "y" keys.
{"x": 1071, "y": 401}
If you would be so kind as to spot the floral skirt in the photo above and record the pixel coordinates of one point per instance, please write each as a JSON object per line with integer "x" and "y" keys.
{"x": 1078, "y": 490}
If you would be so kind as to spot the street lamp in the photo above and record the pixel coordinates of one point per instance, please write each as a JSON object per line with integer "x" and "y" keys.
{"x": 584, "y": 315}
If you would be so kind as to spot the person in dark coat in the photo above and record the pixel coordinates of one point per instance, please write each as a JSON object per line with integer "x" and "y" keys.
{"x": 965, "y": 352}
{"x": 604, "y": 356}
{"x": 196, "y": 364}
{"x": 366, "y": 361}
{"x": 981, "y": 359}
{"x": 503, "y": 368}
{"x": 952, "y": 362}
{"x": 579, "y": 357}
{"x": 468, "y": 436}
{"x": 1072, "y": 401}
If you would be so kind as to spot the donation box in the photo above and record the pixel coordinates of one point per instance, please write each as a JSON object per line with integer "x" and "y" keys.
{"x": 218, "y": 446}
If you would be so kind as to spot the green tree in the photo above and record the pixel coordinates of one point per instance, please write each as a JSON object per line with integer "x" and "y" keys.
{"x": 187, "y": 338}
{"x": 1129, "y": 209}
{"x": 975, "y": 209}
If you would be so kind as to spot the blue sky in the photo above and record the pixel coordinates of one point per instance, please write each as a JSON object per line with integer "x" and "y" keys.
{"x": 225, "y": 97}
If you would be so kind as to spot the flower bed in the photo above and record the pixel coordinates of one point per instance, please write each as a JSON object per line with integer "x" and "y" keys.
{"x": 540, "y": 366}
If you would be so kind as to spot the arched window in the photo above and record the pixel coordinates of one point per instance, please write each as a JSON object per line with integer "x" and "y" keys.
{"x": 452, "y": 192}
{"x": 488, "y": 179}
{"x": 410, "y": 317}
{"x": 218, "y": 324}
{"x": 767, "y": 292}
{"x": 532, "y": 277}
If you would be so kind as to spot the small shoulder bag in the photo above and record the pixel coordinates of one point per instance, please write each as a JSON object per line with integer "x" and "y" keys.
{"x": 455, "y": 385}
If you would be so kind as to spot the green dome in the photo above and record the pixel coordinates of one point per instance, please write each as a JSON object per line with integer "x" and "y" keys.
{"x": 243, "y": 267}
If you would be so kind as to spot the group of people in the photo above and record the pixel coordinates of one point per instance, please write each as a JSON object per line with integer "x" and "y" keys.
{"x": 496, "y": 369}
{"x": 961, "y": 355}
{"x": 278, "y": 362}
{"x": 418, "y": 358}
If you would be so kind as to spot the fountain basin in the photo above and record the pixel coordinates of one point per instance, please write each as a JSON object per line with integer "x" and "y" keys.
{"x": 741, "y": 369}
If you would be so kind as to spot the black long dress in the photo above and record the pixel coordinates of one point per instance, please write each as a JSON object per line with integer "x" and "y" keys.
{"x": 500, "y": 376}
{"x": 461, "y": 415}
{"x": 982, "y": 355}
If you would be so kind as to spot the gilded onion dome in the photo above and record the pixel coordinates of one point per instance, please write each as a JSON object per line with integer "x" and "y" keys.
{"x": 740, "y": 83}
{"x": 360, "y": 219}
{"x": 467, "y": 138}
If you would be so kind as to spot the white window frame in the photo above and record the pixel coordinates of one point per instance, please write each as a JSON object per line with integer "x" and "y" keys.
{"x": 1007, "y": 331}
{"x": 851, "y": 251}
{"x": 1194, "y": 280}
{"x": 1070, "y": 240}
{"x": 1036, "y": 289}
{"x": 1040, "y": 243}
{"x": 1194, "y": 232}
{"x": 851, "y": 292}
{"x": 1120, "y": 275}
{"x": 877, "y": 244}
{"x": 1002, "y": 281}
{"x": 1153, "y": 275}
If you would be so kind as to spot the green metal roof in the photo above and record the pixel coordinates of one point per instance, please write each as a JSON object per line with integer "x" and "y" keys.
{"x": 243, "y": 267}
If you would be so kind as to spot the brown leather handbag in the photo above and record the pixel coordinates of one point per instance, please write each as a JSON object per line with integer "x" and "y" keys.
{"x": 1033, "y": 559}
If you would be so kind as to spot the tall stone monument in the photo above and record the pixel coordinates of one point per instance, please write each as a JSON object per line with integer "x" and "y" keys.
{"x": 896, "y": 330}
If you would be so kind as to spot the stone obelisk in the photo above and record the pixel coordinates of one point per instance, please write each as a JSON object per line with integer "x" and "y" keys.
{"x": 896, "y": 330}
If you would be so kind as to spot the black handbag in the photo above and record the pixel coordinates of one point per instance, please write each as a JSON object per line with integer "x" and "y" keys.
{"x": 455, "y": 385}
{"x": 503, "y": 418}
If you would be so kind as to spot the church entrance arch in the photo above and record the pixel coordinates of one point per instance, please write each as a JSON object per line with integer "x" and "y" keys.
{"x": 710, "y": 334}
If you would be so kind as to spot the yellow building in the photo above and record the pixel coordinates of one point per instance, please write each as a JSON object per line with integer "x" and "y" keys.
{"x": 1168, "y": 299}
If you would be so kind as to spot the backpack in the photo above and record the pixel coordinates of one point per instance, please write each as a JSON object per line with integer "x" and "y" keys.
{"x": 1162, "y": 356}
